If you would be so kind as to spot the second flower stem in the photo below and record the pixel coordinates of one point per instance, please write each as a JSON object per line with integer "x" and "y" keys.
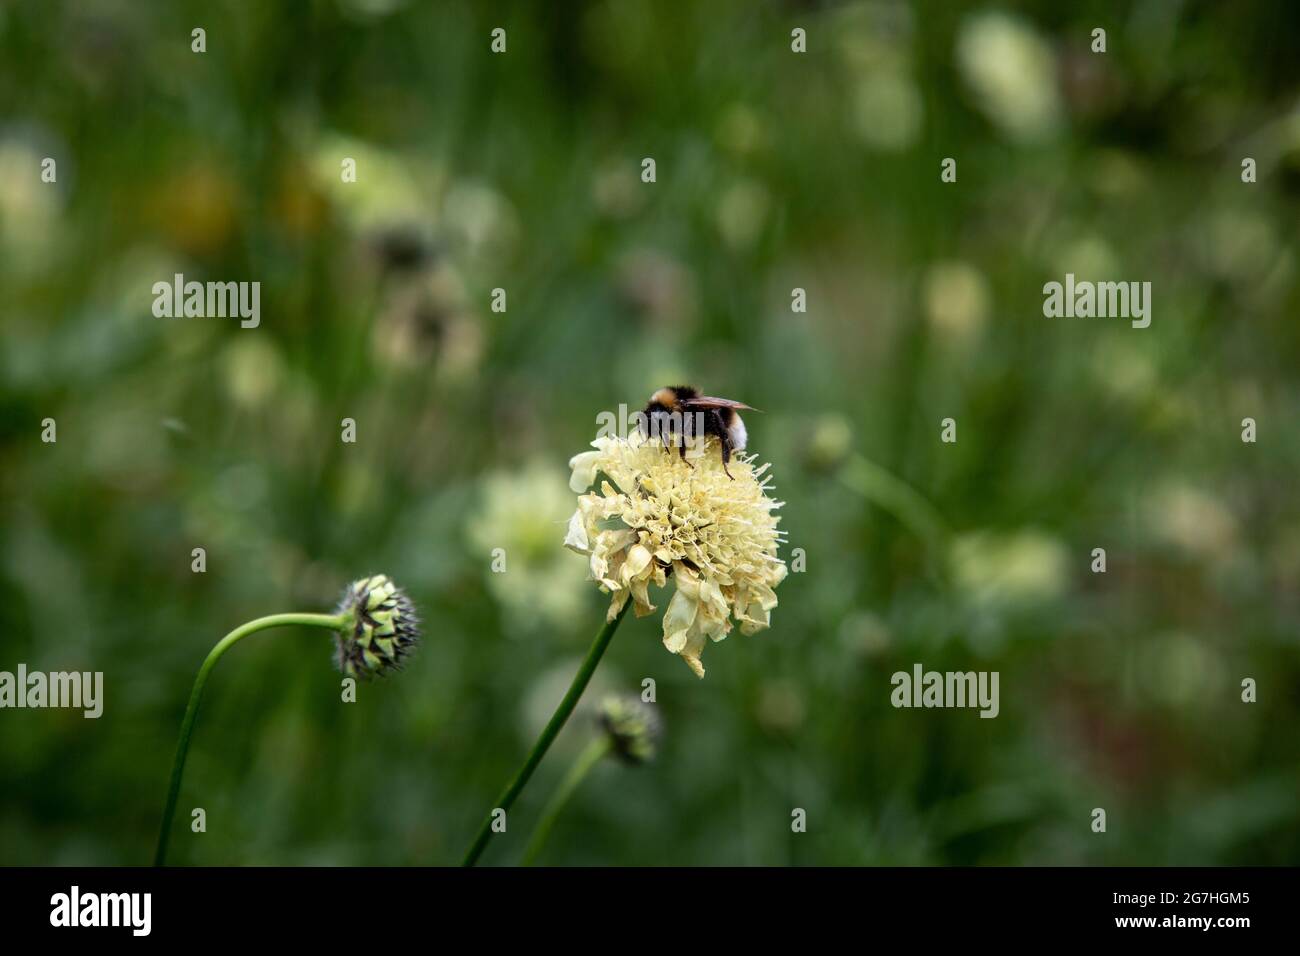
{"x": 548, "y": 735}
{"x": 596, "y": 750}
{"x": 329, "y": 621}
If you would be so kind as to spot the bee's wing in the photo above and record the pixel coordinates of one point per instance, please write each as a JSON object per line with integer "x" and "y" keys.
{"x": 708, "y": 401}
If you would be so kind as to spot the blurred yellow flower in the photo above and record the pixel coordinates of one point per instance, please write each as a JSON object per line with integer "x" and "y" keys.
{"x": 658, "y": 515}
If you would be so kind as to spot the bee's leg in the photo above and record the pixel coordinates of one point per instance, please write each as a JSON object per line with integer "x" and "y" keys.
{"x": 726, "y": 455}
{"x": 681, "y": 448}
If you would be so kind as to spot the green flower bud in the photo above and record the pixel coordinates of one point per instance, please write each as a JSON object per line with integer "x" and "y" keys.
{"x": 380, "y": 631}
{"x": 633, "y": 727}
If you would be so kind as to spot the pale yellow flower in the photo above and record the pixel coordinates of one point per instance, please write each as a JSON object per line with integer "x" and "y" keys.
{"x": 657, "y": 518}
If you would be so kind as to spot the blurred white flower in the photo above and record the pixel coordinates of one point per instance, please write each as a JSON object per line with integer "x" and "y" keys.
{"x": 385, "y": 191}
{"x": 1004, "y": 570}
{"x": 741, "y": 213}
{"x": 887, "y": 110}
{"x": 1011, "y": 71}
{"x": 251, "y": 368}
{"x": 29, "y": 208}
{"x": 956, "y": 300}
{"x": 522, "y": 513}
{"x": 480, "y": 217}
{"x": 427, "y": 320}
{"x": 1124, "y": 370}
{"x": 1193, "y": 521}
{"x": 1088, "y": 257}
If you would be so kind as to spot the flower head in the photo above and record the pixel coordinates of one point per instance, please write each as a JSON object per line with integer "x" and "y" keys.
{"x": 632, "y": 725}
{"x": 657, "y": 517}
{"x": 381, "y": 628}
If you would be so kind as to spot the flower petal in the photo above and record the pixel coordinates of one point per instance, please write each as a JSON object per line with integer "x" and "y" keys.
{"x": 678, "y": 618}
{"x": 691, "y": 652}
{"x": 575, "y": 539}
{"x": 585, "y": 465}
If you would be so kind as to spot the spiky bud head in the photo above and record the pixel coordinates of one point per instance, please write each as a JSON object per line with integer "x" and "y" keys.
{"x": 380, "y": 628}
{"x": 632, "y": 726}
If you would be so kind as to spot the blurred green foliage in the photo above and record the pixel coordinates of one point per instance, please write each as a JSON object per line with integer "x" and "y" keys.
{"x": 775, "y": 170}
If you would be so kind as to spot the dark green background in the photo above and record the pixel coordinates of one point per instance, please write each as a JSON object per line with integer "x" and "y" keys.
{"x": 775, "y": 170}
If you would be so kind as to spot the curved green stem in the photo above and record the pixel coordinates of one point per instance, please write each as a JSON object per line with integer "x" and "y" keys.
{"x": 330, "y": 621}
{"x": 597, "y": 749}
{"x": 552, "y": 729}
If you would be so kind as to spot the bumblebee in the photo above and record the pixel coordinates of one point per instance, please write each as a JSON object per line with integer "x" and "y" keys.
{"x": 681, "y": 411}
